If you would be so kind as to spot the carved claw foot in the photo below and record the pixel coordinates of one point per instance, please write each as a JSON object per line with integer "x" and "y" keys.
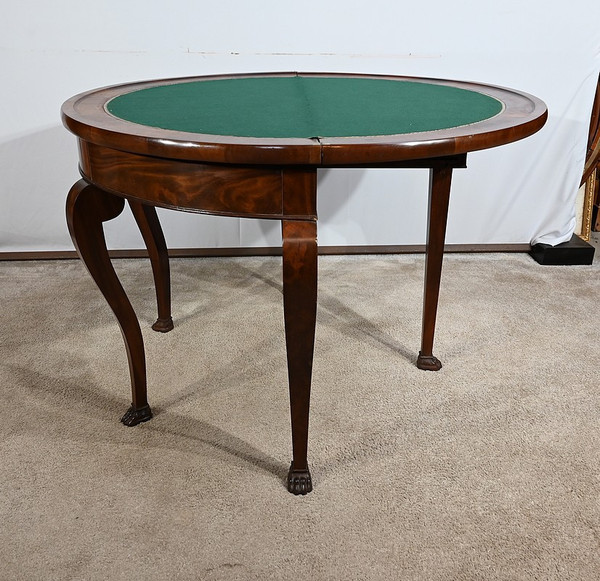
{"x": 299, "y": 481}
{"x": 428, "y": 362}
{"x": 163, "y": 325}
{"x": 133, "y": 416}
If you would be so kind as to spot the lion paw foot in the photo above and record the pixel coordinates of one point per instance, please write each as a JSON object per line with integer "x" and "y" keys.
{"x": 299, "y": 481}
{"x": 133, "y": 416}
{"x": 163, "y": 325}
{"x": 428, "y": 362}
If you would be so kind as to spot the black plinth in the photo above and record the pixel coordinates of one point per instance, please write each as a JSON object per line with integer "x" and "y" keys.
{"x": 576, "y": 251}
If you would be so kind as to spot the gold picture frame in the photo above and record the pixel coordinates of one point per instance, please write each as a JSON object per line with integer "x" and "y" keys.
{"x": 591, "y": 185}
{"x": 591, "y": 172}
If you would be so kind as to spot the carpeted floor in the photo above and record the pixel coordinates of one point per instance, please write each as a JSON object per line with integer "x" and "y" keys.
{"x": 486, "y": 470}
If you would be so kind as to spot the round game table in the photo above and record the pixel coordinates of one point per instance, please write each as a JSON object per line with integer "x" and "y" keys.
{"x": 250, "y": 146}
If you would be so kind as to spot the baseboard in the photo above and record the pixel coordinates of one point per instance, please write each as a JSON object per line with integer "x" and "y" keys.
{"x": 269, "y": 251}
{"x": 575, "y": 251}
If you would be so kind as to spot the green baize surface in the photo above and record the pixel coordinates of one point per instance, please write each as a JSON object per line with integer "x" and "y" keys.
{"x": 305, "y": 107}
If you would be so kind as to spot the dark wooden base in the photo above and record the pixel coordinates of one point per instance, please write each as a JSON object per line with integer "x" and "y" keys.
{"x": 299, "y": 481}
{"x": 269, "y": 251}
{"x": 133, "y": 416}
{"x": 576, "y": 251}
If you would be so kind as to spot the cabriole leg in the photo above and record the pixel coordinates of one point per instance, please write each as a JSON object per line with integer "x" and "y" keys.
{"x": 87, "y": 208}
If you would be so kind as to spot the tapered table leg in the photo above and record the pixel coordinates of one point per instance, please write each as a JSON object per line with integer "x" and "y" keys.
{"x": 300, "y": 309}
{"x": 439, "y": 196}
{"x": 87, "y": 208}
{"x": 149, "y": 225}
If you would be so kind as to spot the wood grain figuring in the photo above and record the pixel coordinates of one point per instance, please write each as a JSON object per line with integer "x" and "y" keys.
{"x": 300, "y": 192}
{"x": 188, "y": 186}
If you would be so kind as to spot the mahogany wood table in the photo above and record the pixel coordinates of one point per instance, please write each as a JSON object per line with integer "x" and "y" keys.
{"x": 250, "y": 146}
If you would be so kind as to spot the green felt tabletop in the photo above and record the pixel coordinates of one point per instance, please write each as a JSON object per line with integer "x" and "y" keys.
{"x": 304, "y": 106}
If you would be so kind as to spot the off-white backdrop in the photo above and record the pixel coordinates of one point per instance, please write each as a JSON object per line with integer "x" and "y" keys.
{"x": 520, "y": 193}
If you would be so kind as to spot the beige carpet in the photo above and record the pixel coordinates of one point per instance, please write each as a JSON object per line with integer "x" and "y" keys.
{"x": 488, "y": 469}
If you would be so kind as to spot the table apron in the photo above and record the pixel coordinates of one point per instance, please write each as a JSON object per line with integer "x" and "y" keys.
{"x": 230, "y": 190}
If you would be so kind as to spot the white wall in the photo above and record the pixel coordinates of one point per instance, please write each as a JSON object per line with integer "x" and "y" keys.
{"x": 514, "y": 194}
